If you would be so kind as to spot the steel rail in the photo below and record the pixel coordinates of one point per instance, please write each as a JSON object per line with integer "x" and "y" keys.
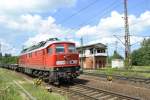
{"x": 123, "y": 96}
{"x": 84, "y": 91}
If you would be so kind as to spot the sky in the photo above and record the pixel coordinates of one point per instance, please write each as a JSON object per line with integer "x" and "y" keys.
{"x": 27, "y": 22}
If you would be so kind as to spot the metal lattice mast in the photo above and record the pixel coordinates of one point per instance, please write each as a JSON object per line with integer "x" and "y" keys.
{"x": 127, "y": 35}
{"x": 116, "y": 45}
{"x": 81, "y": 53}
{"x": 0, "y": 47}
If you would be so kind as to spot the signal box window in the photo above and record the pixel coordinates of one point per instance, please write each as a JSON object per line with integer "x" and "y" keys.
{"x": 71, "y": 48}
{"x": 60, "y": 49}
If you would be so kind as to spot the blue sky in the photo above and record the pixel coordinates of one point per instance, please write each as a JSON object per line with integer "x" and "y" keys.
{"x": 26, "y": 22}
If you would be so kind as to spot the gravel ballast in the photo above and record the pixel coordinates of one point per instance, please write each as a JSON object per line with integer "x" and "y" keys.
{"x": 123, "y": 87}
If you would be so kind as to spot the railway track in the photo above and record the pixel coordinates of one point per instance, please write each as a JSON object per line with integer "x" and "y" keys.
{"x": 132, "y": 79}
{"x": 78, "y": 91}
{"x": 84, "y": 92}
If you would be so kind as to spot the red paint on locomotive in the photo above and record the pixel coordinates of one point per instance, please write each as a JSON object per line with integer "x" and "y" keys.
{"x": 56, "y": 54}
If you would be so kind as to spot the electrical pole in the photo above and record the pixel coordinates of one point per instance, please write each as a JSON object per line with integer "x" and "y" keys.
{"x": 81, "y": 53}
{"x": 0, "y": 47}
{"x": 127, "y": 37}
{"x": 116, "y": 45}
{"x": 1, "y": 50}
{"x": 107, "y": 56}
{"x": 0, "y": 54}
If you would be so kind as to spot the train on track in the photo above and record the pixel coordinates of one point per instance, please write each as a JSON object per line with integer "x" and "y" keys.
{"x": 53, "y": 60}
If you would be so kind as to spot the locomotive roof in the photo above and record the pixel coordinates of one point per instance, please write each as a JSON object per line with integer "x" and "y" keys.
{"x": 41, "y": 45}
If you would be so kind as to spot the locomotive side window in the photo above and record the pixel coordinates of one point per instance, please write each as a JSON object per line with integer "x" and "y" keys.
{"x": 43, "y": 52}
{"x": 49, "y": 50}
{"x": 35, "y": 53}
{"x": 60, "y": 49}
{"x": 30, "y": 55}
{"x": 71, "y": 48}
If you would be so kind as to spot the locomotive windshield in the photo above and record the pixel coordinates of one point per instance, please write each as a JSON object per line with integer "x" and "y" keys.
{"x": 60, "y": 49}
{"x": 71, "y": 48}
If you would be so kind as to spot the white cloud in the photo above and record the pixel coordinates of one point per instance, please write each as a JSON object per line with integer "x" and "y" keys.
{"x": 39, "y": 37}
{"x": 107, "y": 27}
{"x": 44, "y": 28}
{"x": 7, "y": 48}
{"x": 114, "y": 25}
{"x": 30, "y": 6}
{"x": 28, "y": 23}
{"x": 22, "y": 19}
{"x": 141, "y": 23}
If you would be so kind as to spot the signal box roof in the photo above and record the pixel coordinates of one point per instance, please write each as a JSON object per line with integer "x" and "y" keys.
{"x": 90, "y": 46}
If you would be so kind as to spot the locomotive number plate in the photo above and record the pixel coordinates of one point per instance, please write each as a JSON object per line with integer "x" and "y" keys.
{"x": 60, "y": 62}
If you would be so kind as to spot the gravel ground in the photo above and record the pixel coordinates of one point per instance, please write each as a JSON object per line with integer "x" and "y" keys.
{"x": 116, "y": 86}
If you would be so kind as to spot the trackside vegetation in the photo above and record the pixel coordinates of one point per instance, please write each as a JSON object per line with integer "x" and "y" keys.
{"x": 141, "y": 56}
{"x": 8, "y": 59}
{"x": 10, "y": 91}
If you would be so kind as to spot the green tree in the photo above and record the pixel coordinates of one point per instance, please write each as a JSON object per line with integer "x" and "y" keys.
{"x": 8, "y": 59}
{"x": 116, "y": 55}
{"x": 141, "y": 56}
{"x": 0, "y": 57}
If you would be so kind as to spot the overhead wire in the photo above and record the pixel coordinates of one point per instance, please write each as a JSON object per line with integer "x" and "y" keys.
{"x": 79, "y": 11}
{"x": 103, "y": 13}
{"x": 100, "y": 13}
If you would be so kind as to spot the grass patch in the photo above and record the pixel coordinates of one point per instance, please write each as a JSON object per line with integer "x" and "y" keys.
{"x": 41, "y": 94}
{"x": 10, "y": 91}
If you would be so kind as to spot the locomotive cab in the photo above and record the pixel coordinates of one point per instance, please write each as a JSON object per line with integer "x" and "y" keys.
{"x": 65, "y": 60}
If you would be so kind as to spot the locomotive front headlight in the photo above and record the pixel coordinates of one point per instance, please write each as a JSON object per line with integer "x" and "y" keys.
{"x": 73, "y": 62}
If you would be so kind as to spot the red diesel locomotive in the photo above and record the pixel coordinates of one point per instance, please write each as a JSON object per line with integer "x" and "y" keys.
{"x": 53, "y": 60}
